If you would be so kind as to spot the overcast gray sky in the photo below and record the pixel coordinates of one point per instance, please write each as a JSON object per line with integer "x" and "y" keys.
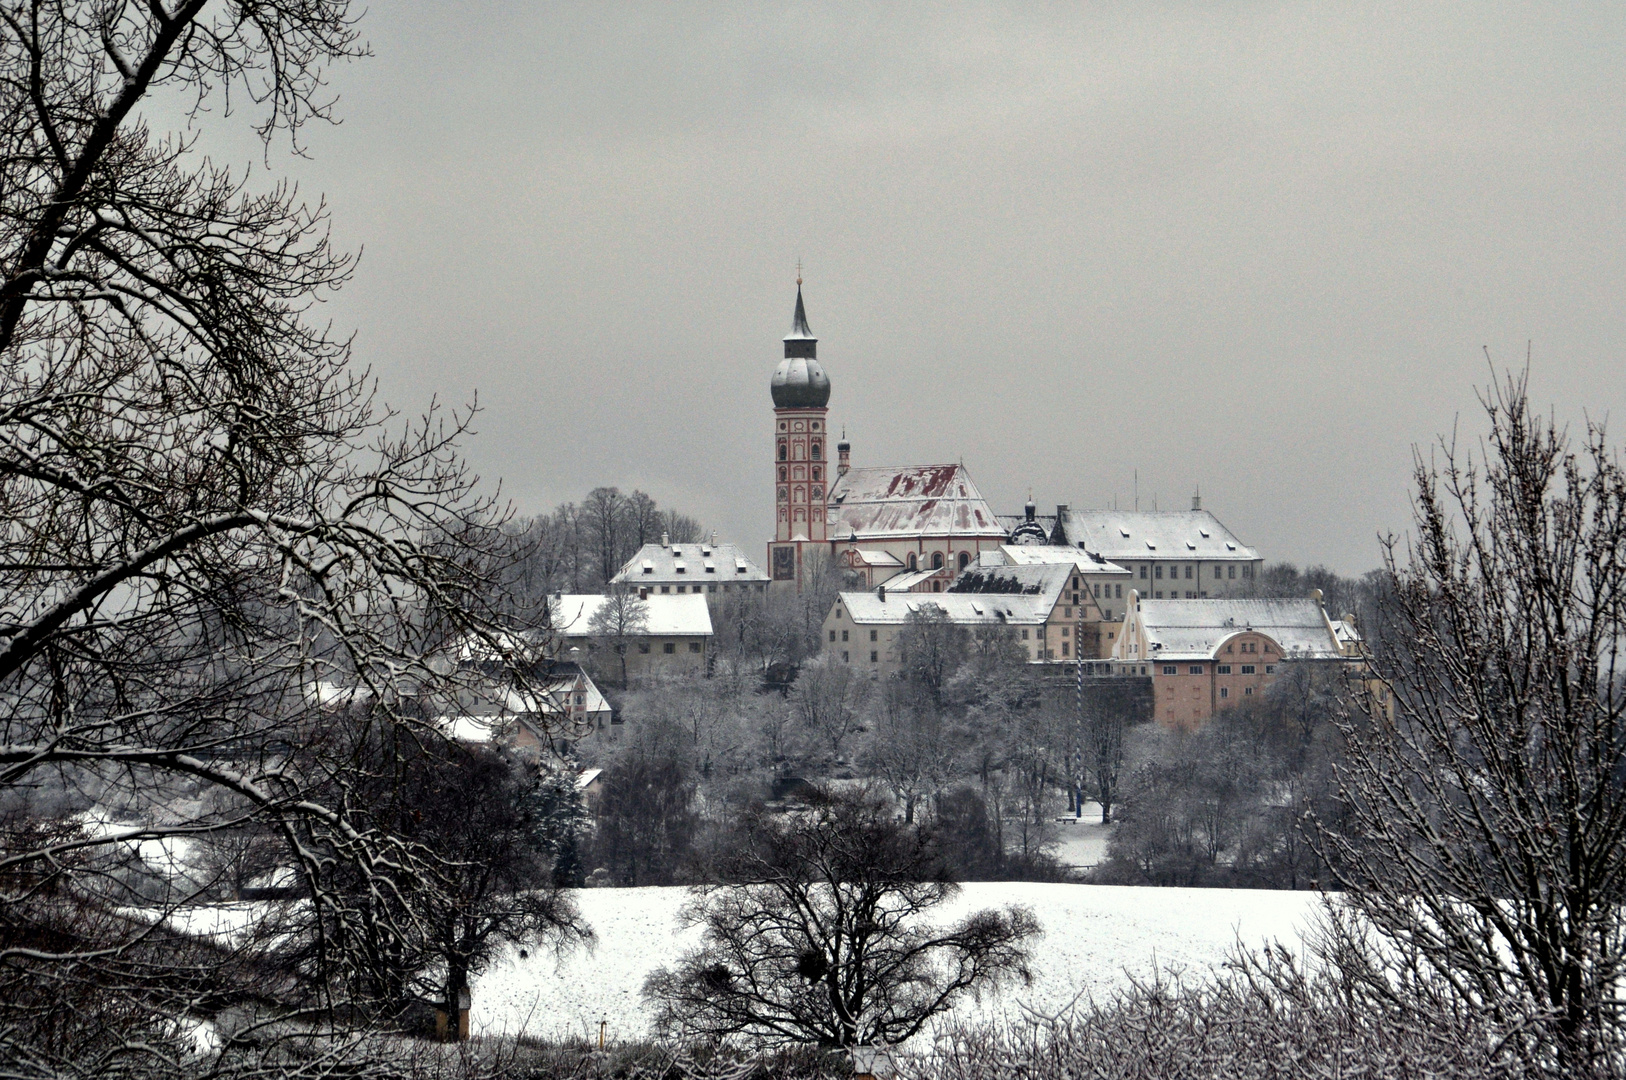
{"x": 1252, "y": 247}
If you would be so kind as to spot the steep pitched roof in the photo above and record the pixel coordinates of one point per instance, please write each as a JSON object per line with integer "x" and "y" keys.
{"x": 664, "y": 616}
{"x": 1127, "y": 535}
{"x": 1045, "y": 581}
{"x": 1025, "y": 554}
{"x": 909, "y": 501}
{"x": 708, "y": 562}
{"x": 962, "y": 609}
{"x": 1195, "y": 629}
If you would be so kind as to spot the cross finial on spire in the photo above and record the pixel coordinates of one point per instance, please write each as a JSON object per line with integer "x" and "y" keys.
{"x": 798, "y": 273}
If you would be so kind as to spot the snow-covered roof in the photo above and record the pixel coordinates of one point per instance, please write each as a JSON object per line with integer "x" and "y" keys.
{"x": 666, "y": 564}
{"x": 962, "y": 609}
{"x": 585, "y": 780}
{"x": 901, "y": 583}
{"x": 1127, "y": 535}
{"x": 1195, "y": 629}
{"x": 1029, "y": 554}
{"x": 1044, "y": 580}
{"x": 664, "y": 615}
{"x": 872, "y": 557}
{"x": 910, "y": 501}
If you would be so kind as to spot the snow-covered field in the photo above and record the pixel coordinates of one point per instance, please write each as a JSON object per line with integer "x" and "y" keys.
{"x": 1095, "y": 938}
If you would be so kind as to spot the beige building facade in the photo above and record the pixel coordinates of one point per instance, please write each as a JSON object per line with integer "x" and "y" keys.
{"x": 1206, "y": 655}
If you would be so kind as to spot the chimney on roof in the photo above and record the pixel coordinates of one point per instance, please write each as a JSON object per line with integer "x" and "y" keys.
{"x": 714, "y": 538}
{"x": 880, "y": 592}
{"x": 1197, "y": 499}
{"x": 666, "y": 539}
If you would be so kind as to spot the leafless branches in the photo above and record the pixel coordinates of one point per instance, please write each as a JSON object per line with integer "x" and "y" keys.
{"x": 1487, "y": 811}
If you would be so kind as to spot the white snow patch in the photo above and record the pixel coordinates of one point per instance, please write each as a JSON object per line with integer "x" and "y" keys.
{"x": 1096, "y": 937}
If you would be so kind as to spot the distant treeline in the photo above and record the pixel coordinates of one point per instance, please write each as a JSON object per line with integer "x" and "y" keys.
{"x": 578, "y": 546}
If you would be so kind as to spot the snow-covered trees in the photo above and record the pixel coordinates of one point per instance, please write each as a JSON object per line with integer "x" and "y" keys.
{"x": 815, "y": 933}
{"x": 1486, "y": 774}
{"x": 211, "y": 544}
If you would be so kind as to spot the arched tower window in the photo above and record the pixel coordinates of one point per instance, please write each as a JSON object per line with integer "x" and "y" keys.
{"x": 815, "y": 472}
{"x": 781, "y": 472}
{"x": 965, "y": 559}
{"x": 783, "y": 453}
{"x": 816, "y": 450}
{"x": 937, "y": 560}
{"x": 912, "y": 564}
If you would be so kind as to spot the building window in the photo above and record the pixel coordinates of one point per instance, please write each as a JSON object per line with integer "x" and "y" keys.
{"x": 1024, "y": 635}
{"x": 1223, "y": 669}
{"x": 816, "y": 451}
{"x": 1196, "y": 669}
{"x": 873, "y": 656}
{"x": 666, "y": 588}
{"x": 1247, "y": 691}
{"x": 1143, "y": 573}
{"x": 1188, "y": 573}
{"x": 1233, "y": 571}
{"x": 965, "y": 559}
{"x": 1270, "y": 669}
{"x": 1041, "y": 633}
{"x": 844, "y": 635}
{"x": 643, "y": 646}
{"x": 1065, "y": 631}
{"x": 872, "y": 635}
{"x": 937, "y": 560}
{"x": 1170, "y": 669}
{"x": 694, "y": 646}
{"x": 815, "y": 473}
{"x": 669, "y": 647}
{"x": 1247, "y": 669}
{"x": 832, "y": 635}
{"x": 844, "y": 658}
{"x": 783, "y": 453}
{"x": 1160, "y": 594}
{"x": 712, "y": 588}
{"x": 1064, "y": 648}
{"x": 912, "y": 565}
{"x": 1157, "y": 571}
{"x": 1067, "y": 612}
{"x": 1225, "y": 691}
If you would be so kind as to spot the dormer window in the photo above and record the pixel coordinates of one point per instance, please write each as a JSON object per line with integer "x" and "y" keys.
{"x": 682, "y": 569}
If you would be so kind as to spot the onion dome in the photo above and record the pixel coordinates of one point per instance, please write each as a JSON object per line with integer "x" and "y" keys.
{"x": 799, "y": 382}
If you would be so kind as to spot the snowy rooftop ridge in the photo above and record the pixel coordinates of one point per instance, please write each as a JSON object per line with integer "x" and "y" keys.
{"x": 1126, "y": 535}
{"x": 668, "y": 564}
{"x": 974, "y": 609}
{"x": 664, "y": 616}
{"x": 1195, "y": 629}
{"x": 913, "y": 500}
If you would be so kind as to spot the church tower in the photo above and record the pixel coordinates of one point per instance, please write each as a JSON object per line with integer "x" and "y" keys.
{"x": 801, "y": 391}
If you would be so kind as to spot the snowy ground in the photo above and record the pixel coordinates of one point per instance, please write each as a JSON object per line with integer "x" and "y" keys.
{"x": 1081, "y": 842}
{"x": 1096, "y": 937}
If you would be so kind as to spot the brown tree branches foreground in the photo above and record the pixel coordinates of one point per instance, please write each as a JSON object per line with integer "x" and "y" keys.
{"x": 206, "y": 525}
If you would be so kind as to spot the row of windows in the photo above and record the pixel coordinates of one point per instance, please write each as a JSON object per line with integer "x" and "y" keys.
{"x": 1174, "y": 594}
{"x": 667, "y": 589}
{"x": 874, "y": 657}
{"x": 817, "y": 474}
{"x": 872, "y": 635}
{"x": 1225, "y": 571}
{"x": 1219, "y": 669}
{"x": 668, "y": 647}
{"x": 817, "y": 451}
{"x": 1109, "y": 591}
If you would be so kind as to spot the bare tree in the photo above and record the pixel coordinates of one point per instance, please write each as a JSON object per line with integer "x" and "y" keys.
{"x": 814, "y": 934}
{"x": 1487, "y": 812}
{"x": 206, "y": 522}
{"x": 619, "y": 622}
{"x": 829, "y": 699}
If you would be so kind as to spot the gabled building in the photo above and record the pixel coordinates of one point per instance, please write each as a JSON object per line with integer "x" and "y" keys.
{"x": 711, "y": 569}
{"x": 1205, "y": 655}
{"x": 1076, "y": 626}
{"x": 673, "y": 637}
{"x": 864, "y": 629}
{"x": 1173, "y": 554}
{"x": 875, "y": 522}
{"x": 929, "y": 519}
{"x": 1108, "y": 583}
